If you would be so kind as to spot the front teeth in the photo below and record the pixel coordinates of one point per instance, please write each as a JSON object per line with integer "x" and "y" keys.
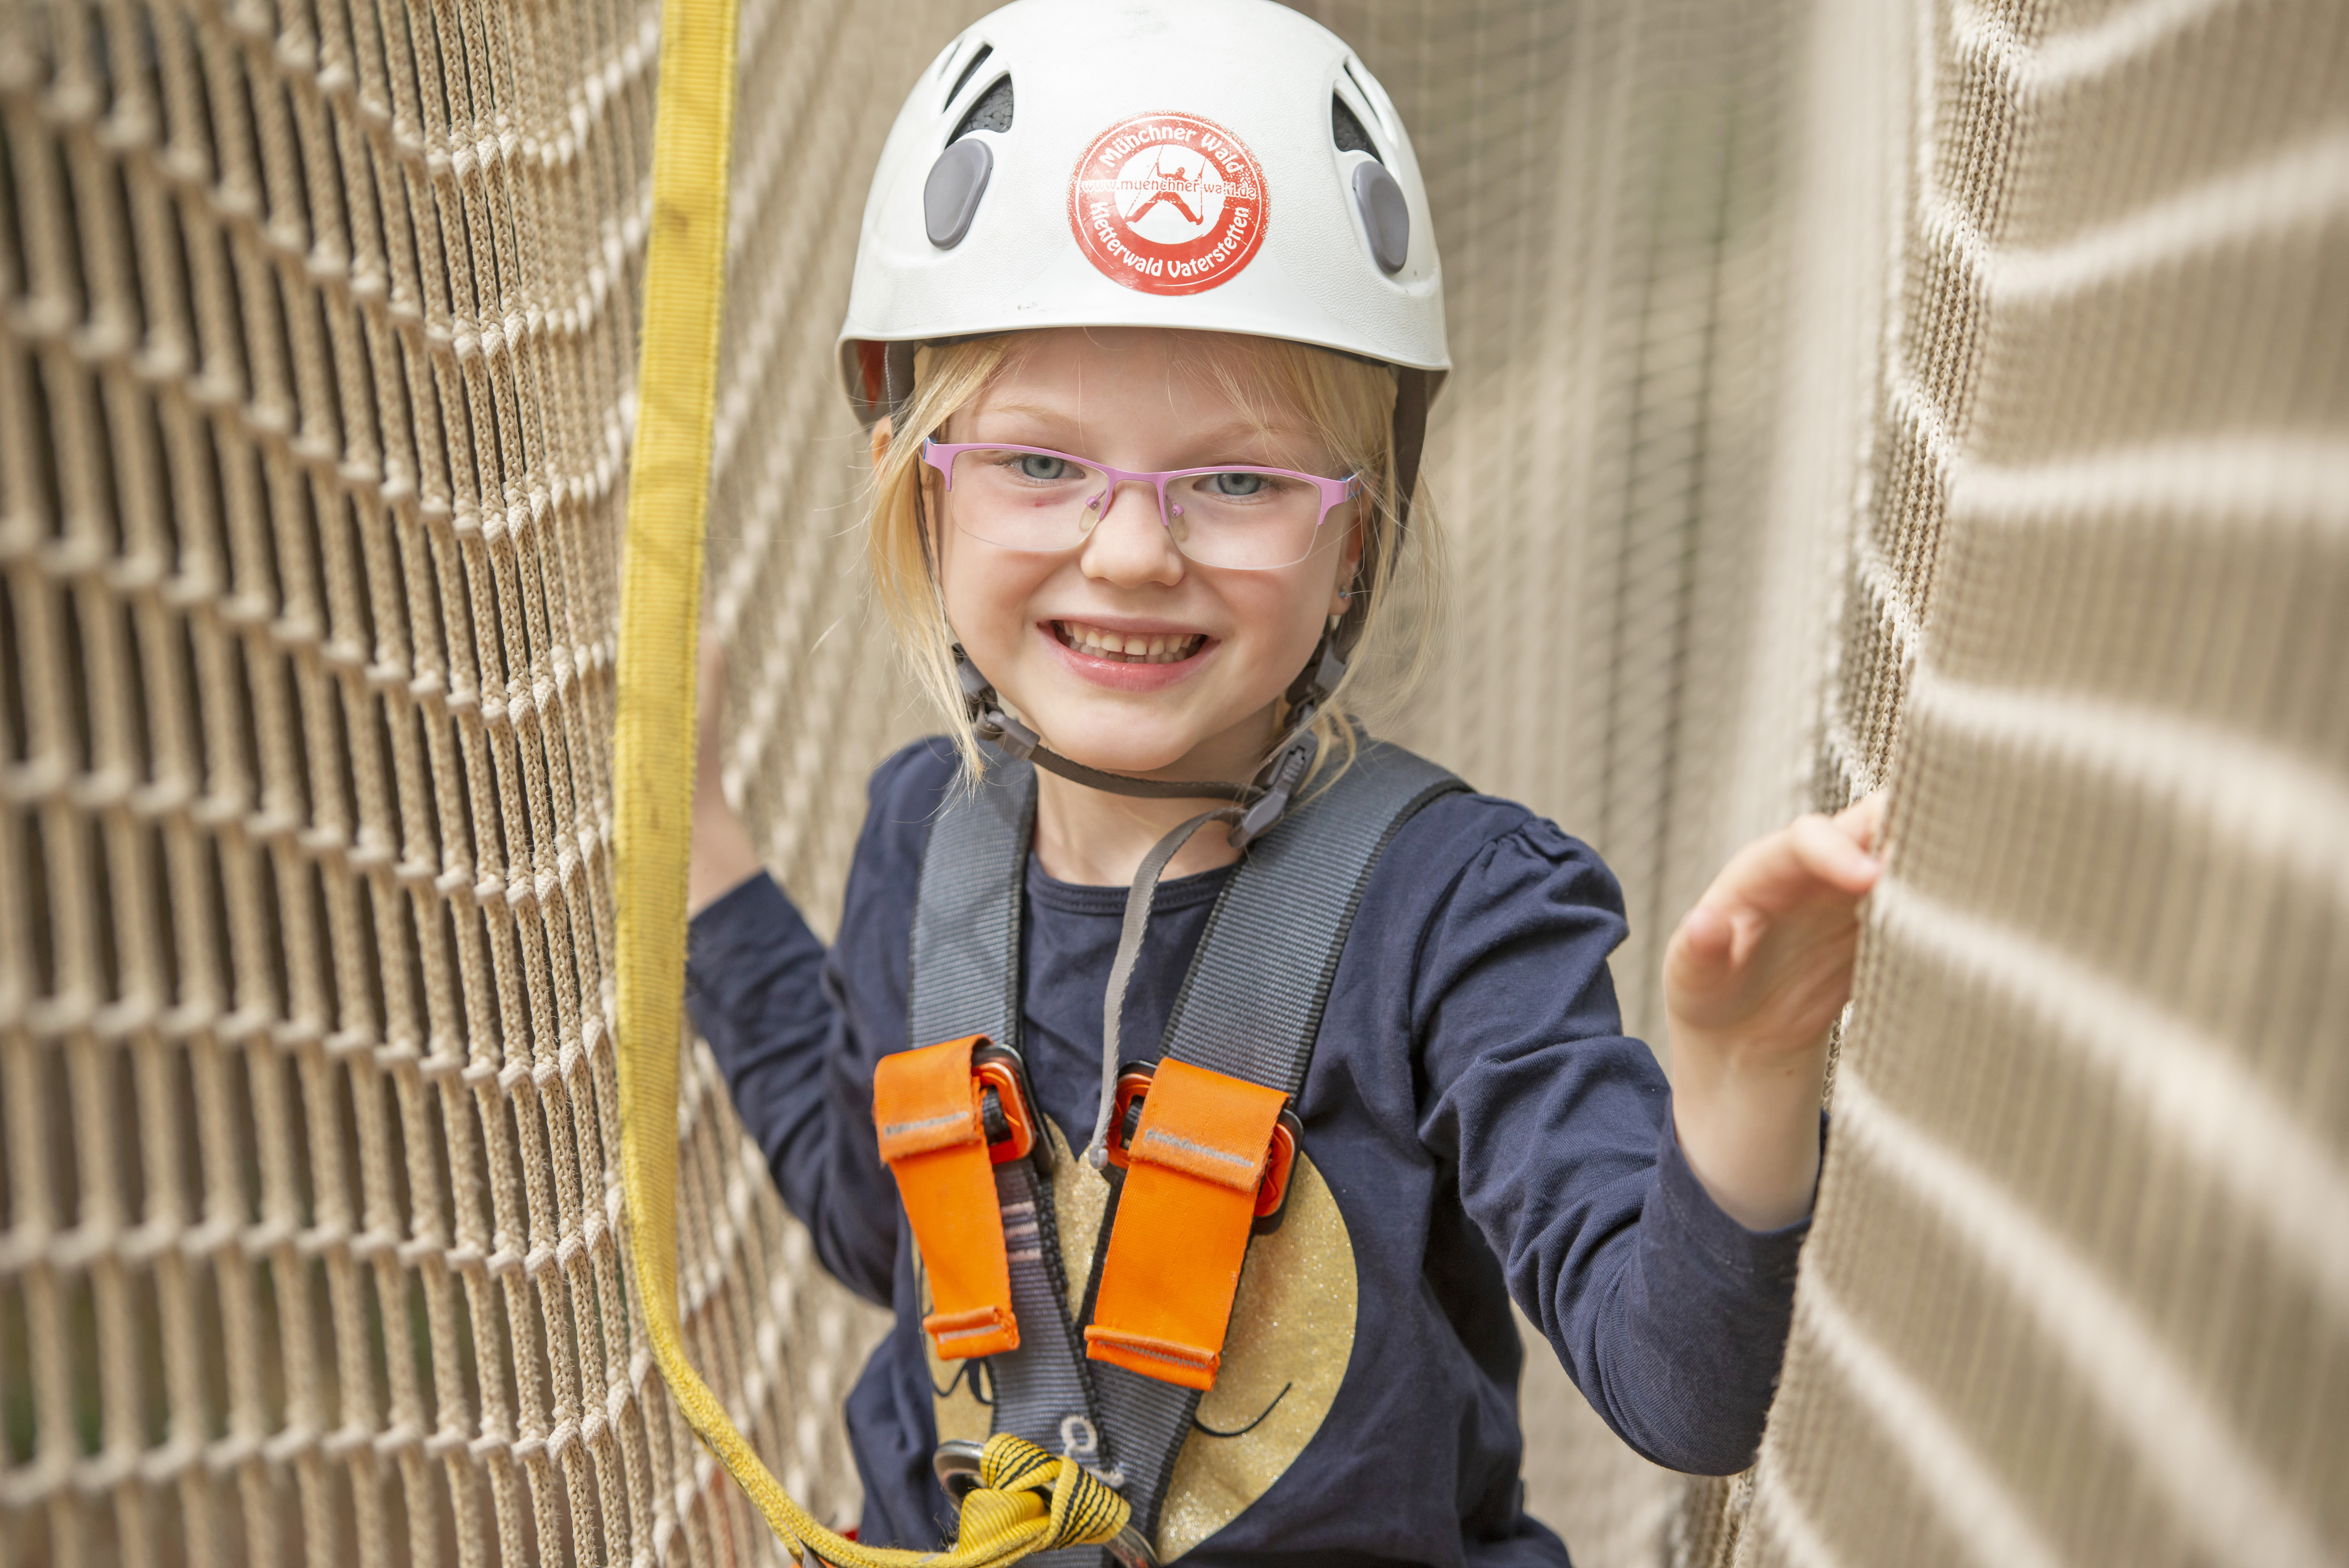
{"x": 1100, "y": 643}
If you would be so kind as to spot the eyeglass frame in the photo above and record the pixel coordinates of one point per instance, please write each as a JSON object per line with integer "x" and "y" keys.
{"x": 1335, "y": 492}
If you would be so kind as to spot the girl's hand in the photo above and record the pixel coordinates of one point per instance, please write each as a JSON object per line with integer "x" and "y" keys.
{"x": 723, "y": 855}
{"x": 1753, "y": 979}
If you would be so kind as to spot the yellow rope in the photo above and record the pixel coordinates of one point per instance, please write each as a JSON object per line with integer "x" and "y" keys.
{"x": 1028, "y": 1500}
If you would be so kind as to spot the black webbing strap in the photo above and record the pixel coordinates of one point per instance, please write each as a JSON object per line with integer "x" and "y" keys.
{"x": 965, "y": 980}
{"x": 1250, "y": 1008}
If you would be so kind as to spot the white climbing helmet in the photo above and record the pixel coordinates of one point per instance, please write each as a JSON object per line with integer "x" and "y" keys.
{"x": 1221, "y": 165}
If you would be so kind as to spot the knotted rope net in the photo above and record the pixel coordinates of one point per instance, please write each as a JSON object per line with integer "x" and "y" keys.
{"x": 1951, "y": 394}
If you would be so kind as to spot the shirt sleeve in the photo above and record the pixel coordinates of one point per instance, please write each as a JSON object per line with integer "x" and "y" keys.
{"x": 1669, "y": 1315}
{"x": 771, "y": 1003}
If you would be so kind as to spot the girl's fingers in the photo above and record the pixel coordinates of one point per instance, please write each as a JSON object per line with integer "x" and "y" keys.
{"x": 1829, "y": 852}
{"x": 1704, "y": 942}
{"x": 1863, "y": 820}
{"x": 1769, "y": 946}
{"x": 1816, "y": 865}
{"x": 1772, "y": 877}
{"x": 712, "y": 661}
{"x": 1701, "y": 970}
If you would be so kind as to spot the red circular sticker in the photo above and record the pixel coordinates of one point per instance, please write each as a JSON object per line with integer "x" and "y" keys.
{"x": 1167, "y": 204}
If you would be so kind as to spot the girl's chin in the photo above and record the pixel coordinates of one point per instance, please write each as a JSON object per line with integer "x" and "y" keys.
{"x": 1115, "y": 738}
{"x": 1105, "y": 743}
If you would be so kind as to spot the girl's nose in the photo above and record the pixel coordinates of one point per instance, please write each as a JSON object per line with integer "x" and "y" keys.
{"x": 1131, "y": 546}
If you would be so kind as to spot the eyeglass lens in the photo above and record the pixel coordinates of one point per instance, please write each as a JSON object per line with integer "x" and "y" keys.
{"x": 1241, "y": 517}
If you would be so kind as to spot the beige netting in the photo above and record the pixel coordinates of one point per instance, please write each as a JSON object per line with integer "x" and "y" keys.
{"x": 1664, "y": 258}
{"x": 312, "y": 413}
{"x": 1817, "y": 358}
{"x": 2079, "y": 1290}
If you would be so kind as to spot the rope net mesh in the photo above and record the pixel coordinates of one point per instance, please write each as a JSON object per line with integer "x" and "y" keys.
{"x": 314, "y": 411}
{"x": 1951, "y": 394}
{"x": 2076, "y": 1292}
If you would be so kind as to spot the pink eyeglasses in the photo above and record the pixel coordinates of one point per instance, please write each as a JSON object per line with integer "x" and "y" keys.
{"x": 1032, "y": 498}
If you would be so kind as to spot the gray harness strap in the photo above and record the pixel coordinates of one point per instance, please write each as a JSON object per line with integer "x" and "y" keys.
{"x": 1252, "y": 1003}
{"x": 1250, "y": 1008}
{"x": 965, "y": 980}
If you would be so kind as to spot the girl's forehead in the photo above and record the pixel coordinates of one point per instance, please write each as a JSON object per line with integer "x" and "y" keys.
{"x": 1210, "y": 382}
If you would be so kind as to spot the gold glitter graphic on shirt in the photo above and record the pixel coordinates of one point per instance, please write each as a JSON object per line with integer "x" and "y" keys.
{"x": 958, "y": 1410}
{"x": 1079, "y": 1195}
{"x": 1292, "y": 1329}
{"x": 1291, "y": 1335}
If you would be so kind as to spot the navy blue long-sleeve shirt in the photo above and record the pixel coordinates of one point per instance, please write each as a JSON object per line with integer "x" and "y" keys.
{"x": 1484, "y": 1125}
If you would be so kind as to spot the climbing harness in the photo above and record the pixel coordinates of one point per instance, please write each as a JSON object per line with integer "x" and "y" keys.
{"x": 1020, "y": 1499}
{"x": 1201, "y": 1137}
{"x": 1200, "y": 1150}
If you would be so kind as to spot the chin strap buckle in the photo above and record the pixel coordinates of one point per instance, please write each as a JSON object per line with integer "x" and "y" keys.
{"x": 1281, "y": 778}
{"x": 988, "y": 722}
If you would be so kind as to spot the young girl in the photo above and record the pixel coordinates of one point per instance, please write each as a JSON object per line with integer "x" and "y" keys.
{"x": 1198, "y": 1079}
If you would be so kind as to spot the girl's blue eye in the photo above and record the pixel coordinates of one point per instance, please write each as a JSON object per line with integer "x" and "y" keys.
{"x": 1036, "y": 465}
{"x": 1235, "y": 484}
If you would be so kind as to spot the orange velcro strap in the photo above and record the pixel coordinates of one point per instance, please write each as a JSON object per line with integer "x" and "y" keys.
{"x": 1182, "y": 1225}
{"x": 925, "y": 1104}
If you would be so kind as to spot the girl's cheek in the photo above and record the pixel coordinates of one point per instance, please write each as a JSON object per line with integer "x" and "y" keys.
{"x": 1288, "y": 613}
{"x": 987, "y": 596}
{"x": 973, "y": 587}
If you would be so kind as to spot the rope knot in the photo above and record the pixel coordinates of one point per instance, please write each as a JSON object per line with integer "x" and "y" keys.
{"x": 1020, "y": 1482}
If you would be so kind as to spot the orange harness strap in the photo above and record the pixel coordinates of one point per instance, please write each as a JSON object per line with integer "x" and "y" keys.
{"x": 1193, "y": 1170}
{"x": 927, "y": 1106}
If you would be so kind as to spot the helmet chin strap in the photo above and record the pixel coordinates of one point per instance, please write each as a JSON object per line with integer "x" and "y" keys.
{"x": 1265, "y": 799}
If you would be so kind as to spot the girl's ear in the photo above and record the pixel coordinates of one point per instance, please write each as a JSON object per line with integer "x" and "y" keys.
{"x": 880, "y": 440}
{"x": 1350, "y": 568}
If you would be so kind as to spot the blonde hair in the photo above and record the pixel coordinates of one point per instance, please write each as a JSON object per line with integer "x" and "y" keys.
{"x": 1348, "y": 403}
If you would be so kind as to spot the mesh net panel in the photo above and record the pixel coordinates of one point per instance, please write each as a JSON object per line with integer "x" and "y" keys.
{"x": 2076, "y": 1290}
{"x": 313, "y": 412}
{"x": 1845, "y": 392}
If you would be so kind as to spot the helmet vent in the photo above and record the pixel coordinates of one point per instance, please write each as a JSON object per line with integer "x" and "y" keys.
{"x": 1347, "y": 132}
{"x": 1386, "y": 216}
{"x": 991, "y": 112}
{"x": 970, "y": 71}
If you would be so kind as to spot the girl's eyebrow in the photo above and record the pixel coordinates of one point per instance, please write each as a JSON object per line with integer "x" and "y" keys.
{"x": 1238, "y": 431}
{"x": 1035, "y": 410}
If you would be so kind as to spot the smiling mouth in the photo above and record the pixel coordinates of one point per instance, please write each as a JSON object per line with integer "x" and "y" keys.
{"x": 1128, "y": 648}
